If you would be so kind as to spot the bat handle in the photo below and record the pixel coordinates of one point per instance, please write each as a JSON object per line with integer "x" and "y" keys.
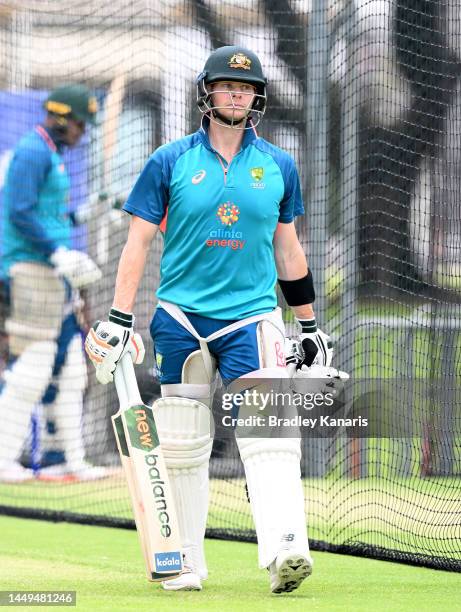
{"x": 126, "y": 384}
{"x": 120, "y": 385}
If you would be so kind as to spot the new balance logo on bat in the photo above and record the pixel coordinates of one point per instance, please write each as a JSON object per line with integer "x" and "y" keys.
{"x": 143, "y": 427}
{"x": 158, "y": 491}
{"x": 170, "y": 561}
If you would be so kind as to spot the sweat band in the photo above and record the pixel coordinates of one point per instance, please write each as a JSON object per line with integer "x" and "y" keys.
{"x": 126, "y": 319}
{"x": 298, "y": 292}
{"x": 308, "y": 326}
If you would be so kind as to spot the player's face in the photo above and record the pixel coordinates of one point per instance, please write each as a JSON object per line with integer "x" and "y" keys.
{"x": 232, "y": 99}
{"x": 75, "y": 130}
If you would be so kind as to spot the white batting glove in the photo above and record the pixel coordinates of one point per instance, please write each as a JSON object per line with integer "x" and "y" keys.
{"x": 316, "y": 345}
{"x": 98, "y": 204}
{"x": 76, "y": 267}
{"x": 107, "y": 342}
{"x": 321, "y": 379}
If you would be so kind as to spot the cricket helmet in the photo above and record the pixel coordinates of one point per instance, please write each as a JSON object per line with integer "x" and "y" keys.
{"x": 72, "y": 102}
{"x": 232, "y": 63}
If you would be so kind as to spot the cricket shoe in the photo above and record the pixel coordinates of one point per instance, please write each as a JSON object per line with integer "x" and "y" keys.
{"x": 14, "y": 472}
{"x": 187, "y": 580}
{"x": 288, "y": 570}
{"x": 78, "y": 472}
{"x": 86, "y": 471}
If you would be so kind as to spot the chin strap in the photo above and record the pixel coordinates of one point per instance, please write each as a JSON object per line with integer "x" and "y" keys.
{"x": 229, "y": 122}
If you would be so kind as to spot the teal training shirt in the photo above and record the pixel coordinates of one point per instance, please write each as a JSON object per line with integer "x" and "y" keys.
{"x": 36, "y": 196}
{"x": 218, "y": 258}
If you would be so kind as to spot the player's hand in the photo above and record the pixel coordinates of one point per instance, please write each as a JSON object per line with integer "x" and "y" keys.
{"x": 97, "y": 205}
{"x": 106, "y": 343}
{"x": 319, "y": 379}
{"x": 317, "y": 346}
{"x": 76, "y": 267}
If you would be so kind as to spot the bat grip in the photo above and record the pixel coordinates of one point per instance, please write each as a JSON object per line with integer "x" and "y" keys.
{"x": 119, "y": 381}
{"x": 126, "y": 384}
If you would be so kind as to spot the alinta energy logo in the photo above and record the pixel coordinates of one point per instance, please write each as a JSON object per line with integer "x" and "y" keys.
{"x": 228, "y": 213}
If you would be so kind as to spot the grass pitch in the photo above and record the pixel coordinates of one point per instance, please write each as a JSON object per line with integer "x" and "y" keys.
{"x": 105, "y": 567}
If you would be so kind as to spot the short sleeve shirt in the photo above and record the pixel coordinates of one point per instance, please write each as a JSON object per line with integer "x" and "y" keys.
{"x": 218, "y": 258}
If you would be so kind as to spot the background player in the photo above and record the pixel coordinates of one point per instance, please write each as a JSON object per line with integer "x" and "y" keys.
{"x": 232, "y": 198}
{"x": 44, "y": 275}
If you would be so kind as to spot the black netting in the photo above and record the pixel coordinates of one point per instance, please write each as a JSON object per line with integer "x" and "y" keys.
{"x": 366, "y": 97}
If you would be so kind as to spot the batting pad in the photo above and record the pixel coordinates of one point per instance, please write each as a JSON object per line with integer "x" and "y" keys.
{"x": 37, "y": 305}
{"x": 25, "y": 383}
{"x": 273, "y": 474}
{"x": 184, "y": 428}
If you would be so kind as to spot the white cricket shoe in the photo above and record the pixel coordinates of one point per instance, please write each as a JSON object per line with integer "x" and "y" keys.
{"x": 289, "y": 569}
{"x": 188, "y": 580}
{"x": 14, "y": 472}
{"x": 78, "y": 472}
{"x": 86, "y": 471}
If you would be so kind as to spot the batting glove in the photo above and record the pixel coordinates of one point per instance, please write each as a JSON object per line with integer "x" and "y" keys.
{"x": 76, "y": 267}
{"x": 108, "y": 341}
{"x": 317, "y": 346}
{"x": 319, "y": 379}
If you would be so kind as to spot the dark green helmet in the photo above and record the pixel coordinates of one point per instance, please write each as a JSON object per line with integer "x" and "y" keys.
{"x": 72, "y": 101}
{"x": 233, "y": 63}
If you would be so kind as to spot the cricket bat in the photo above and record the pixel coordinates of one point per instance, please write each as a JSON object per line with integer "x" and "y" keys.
{"x": 145, "y": 471}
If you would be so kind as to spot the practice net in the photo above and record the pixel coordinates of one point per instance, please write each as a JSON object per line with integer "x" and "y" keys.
{"x": 366, "y": 96}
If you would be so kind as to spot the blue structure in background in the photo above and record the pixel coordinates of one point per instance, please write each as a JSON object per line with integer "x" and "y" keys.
{"x": 21, "y": 112}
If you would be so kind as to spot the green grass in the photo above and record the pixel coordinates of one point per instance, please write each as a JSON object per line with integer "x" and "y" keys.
{"x": 408, "y": 514}
{"x": 104, "y": 566}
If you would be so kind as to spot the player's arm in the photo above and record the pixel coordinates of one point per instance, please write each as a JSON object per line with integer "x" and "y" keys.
{"x": 132, "y": 262}
{"x": 108, "y": 341}
{"x": 26, "y": 177}
{"x": 296, "y": 282}
{"x": 291, "y": 263}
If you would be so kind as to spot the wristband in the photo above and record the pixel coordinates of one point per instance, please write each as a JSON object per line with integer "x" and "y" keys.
{"x": 308, "y": 326}
{"x": 125, "y": 319}
{"x": 298, "y": 292}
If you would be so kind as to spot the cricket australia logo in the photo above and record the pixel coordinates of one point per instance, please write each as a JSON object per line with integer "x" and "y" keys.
{"x": 257, "y": 176}
{"x": 228, "y": 213}
{"x": 158, "y": 364}
{"x": 240, "y": 60}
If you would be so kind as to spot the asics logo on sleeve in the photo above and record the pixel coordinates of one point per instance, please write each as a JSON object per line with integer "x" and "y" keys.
{"x": 198, "y": 177}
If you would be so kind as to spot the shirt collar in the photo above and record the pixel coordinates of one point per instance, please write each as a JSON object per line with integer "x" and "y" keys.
{"x": 49, "y": 134}
{"x": 249, "y": 136}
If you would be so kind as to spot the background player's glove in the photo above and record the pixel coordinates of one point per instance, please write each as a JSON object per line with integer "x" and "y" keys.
{"x": 76, "y": 267}
{"x": 317, "y": 346}
{"x": 107, "y": 342}
{"x": 97, "y": 205}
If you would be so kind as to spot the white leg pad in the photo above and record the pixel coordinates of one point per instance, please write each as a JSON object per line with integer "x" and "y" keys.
{"x": 67, "y": 409}
{"x": 273, "y": 474}
{"x": 37, "y": 305}
{"x": 25, "y": 384}
{"x": 185, "y": 435}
